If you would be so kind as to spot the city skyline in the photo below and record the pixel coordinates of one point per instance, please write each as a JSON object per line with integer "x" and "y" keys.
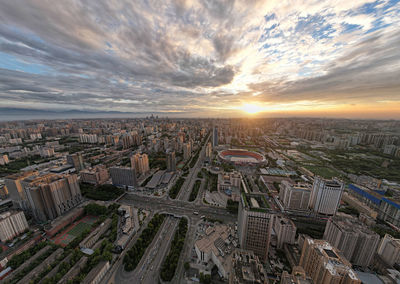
{"x": 200, "y": 59}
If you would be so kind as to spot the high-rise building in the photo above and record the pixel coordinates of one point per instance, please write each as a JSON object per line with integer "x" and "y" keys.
{"x": 125, "y": 177}
{"x": 96, "y": 175}
{"x": 140, "y": 162}
{"x": 357, "y": 243}
{"x": 12, "y": 223}
{"x": 294, "y": 197}
{"x": 171, "y": 161}
{"x": 389, "y": 250}
{"x": 52, "y": 195}
{"x": 215, "y": 136}
{"x": 324, "y": 264}
{"x": 254, "y": 227}
{"x": 209, "y": 150}
{"x": 16, "y": 189}
{"x": 326, "y": 195}
{"x": 187, "y": 151}
{"x": 76, "y": 160}
{"x": 285, "y": 231}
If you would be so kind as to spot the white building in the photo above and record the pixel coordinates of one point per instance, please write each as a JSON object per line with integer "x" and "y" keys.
{"x": 12, "y": 224}
{"x": 389, "y": 250}
{"x": 285, "y": 231}
{"x": 326, "y": 195}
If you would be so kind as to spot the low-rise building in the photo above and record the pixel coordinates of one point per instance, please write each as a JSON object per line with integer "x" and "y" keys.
{"x": 95, "y": 175}
{"x": 229, "y": 183}
{"x": 97, "y": 273}
{"x": 247, "y": 269}
{"x": 217, "y": 246}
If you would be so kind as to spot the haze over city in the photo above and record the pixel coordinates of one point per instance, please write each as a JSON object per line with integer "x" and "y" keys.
{"x": 202, "y": 58}
{"x": 200, "y": 142}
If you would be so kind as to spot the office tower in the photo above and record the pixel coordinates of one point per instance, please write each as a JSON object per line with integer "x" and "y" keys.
{"x": 208, "y": 150}
{"x": 187, "y": 152}
{"x": 326, "y": 195}
{"x": 16, "y": 190}
{"x": 125, "y": 177}
{"x": 171, "y": 161}
{"x": 76, "y": 160}
{"x": 254, "y": 227}
{"x": 96, "y": 175}
{"x": 324, "y": 264}
{"x": 285, "y": 231}
{"x": 215, "y": 137}
{"x": 389, "y": 250}
{"x": 52, "y": 195}
{"x": 294, "y": 197}
{"x": 12, "y": 223}
{"x": 357, "y": 243}
{"x": 127, "y": 141}
{"x": 140, "y": 162}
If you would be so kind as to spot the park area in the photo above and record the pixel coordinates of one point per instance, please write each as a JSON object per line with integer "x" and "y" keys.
{"x": 74, "y": 230}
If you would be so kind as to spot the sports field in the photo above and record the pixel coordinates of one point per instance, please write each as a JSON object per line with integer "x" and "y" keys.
{"x": 74, "y": 230}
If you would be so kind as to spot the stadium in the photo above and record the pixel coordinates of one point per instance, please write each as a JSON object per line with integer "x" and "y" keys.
{"x": 239, "y": 156}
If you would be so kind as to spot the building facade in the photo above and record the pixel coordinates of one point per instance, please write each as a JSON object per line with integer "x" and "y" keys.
{"x": 254, "y": 229}
{"x": 325, "y": 196}
{"x": 324, "y": 264}
{"x": 357, "y": 243}
{"x": 12, "y": 223}
{"x": 285, "y": 231}
{"x": 52, "y": 195}
{"x": 294, "y": 197}
{"x": 124, "y": 177}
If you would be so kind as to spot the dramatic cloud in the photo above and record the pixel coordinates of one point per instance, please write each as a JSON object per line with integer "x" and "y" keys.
{"x": 201, "y": 57}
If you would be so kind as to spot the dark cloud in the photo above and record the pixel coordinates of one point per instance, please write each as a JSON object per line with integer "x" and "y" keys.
{"x": 181, "y": 54}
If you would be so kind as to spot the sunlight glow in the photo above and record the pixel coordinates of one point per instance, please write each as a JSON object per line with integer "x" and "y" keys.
{"x": 251, "y": 108}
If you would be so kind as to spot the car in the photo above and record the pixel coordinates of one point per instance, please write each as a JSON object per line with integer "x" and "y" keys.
{"x": 196, "y": 213}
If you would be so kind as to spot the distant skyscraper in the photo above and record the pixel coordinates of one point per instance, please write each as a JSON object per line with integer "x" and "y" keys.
{"x": 186, "y": 151}
{"x": 326, "y": 195}
{"x": 171, "y": 161}
{"x": 123, "y": 176}
{"x": 208, "y": 150}
{"x": 140, "y": 162}
{"x": 254, "y": 230}
{"x": 215, "y": 136}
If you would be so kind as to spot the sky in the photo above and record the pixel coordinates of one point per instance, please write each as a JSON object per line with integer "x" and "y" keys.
{"x": 203, "y": 58}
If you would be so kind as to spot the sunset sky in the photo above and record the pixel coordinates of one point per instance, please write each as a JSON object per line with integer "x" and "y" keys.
{"x": 203, "y": 58}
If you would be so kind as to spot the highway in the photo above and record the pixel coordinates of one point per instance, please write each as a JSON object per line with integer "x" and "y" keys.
{"x": 149, "y": 267}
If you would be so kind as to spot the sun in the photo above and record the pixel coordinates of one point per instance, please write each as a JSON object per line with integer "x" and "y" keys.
{"x": 251, "y": 108}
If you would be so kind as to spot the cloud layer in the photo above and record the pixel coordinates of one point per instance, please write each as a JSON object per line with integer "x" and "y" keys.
{"x": 202, "y": 57}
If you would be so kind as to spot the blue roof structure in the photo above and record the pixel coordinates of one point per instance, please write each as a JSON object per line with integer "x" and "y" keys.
{"x": 365, "y": 194}
{"x": 394, "y": 204}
